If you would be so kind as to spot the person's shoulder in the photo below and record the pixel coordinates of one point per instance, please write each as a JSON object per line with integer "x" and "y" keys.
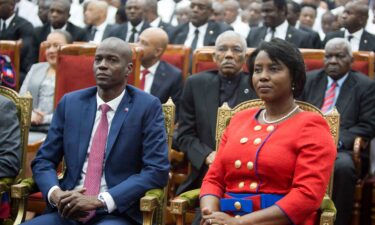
{"x": 21, "y": 21}
{"x": 81, "y": 94}
{"x": 220, "y": 25}
{"x": 306, "y": 118}
{"x": 139, "y": 96}
{"x": 202, "y": 76}
{"x": 360, "y": 77}
{"x": 173, "y": 70}
{"x": 313, "y": 74}
{"x": 40, "y": 65}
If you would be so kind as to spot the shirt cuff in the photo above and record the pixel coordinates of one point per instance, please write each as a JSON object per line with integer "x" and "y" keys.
{"x": 49, "y": 195}
{"x": 110, "y": 203}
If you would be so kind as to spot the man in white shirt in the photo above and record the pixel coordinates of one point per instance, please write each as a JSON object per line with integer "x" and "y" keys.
{"x": 151, "y": 16}
{"x": 233, "y": 18}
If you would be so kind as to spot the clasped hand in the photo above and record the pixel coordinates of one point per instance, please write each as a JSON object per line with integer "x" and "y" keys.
{"x": 217, "y": 218}
{"x": 74, "y": 204}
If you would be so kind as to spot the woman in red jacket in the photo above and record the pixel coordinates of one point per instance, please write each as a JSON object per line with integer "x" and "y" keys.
{"x": 273, "y": 164}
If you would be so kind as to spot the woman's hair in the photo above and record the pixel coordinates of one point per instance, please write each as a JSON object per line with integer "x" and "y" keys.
{"x": 282, "y": 51}
{"x": 66, "y": 34}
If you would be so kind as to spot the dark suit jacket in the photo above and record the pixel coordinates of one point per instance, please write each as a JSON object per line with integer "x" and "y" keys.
{"x": 107, "y": 31}
{"x": 20, "y": 28}
{"x": 315, "y": 38}
{"x": 214, "y": 29}
{"x": 367, "y": 42}
{"x": 136, "y": 153}
{"x": 299, "y": 38}
{"x": 167, "y": 28}
{"x": 121, "y": 30}
{"x": 356, "y": 104}
{"x": 10, "y": 139}
{"x": 197, "y": 124}
{"x": 167, "y": 83}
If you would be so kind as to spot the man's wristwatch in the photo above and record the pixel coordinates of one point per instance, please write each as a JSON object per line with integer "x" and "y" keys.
{"x": 100, "y": 198}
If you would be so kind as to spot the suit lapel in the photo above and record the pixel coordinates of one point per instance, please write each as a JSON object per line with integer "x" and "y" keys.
{"x": 212, "y": 100}
{"x": 118, "y": 121}
{"x": 159, "y": 79}
{"x": 345, "y": 93}
{"x": 244, "y": 92}
{"x": 210, "y": 34}
{"x": 87, "y": 120}
{"x": 364, "y": 42}
{"x": 182, "y": 34}
{"x": 321, "y": 85}
{"x": 289, "y": 34}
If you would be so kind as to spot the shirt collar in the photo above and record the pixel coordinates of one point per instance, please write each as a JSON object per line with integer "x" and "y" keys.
{"x": 282, "y": 28}
{"x": 155, "y": 22}
{"x": 202, "y": 29}
{"x": 356, "y": 35}
{"x": 113, "y": 104}
{"x": 102, "y": 26}
{"x": 152, "y": 69}
{"x": 339, "y": 81}
{"x": 7, "y": 21}
{"x": 138, "y": 27}
{"x": 62, "y": 28}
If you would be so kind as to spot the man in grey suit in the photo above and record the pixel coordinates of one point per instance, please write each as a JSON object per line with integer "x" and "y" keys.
{"x": 353, "y": 94}
{"x": 10, "y": 139}
{"x": 202, "y": 95}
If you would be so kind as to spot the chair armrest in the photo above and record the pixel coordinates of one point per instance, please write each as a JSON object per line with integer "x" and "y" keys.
{"x": 152, "y": 200}
{"x": 185, "y": 201}
{"x": 360, "y": 145}
{"x": 328, "y": 211}
{"x": 5, "y": 184}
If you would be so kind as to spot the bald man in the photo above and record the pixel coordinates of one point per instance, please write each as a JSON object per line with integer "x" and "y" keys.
{"x": 354, "y": 19}
{"x": 95, "y": 17}
{"x": 113, "y": 142}
{"x": 159, "y": 78}
{"x": 203, "y": 94}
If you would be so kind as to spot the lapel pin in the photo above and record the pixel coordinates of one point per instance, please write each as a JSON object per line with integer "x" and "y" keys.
{"x": 289, "y": 35}
{"x": 211, "y": 32}
{"x": 365, "y": 41}
{"x": 246, "y": 91}
{"x": 126, "y": 109}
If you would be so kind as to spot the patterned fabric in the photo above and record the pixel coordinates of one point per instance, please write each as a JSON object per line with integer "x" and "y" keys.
{"x": 7, "y": 74}
{"x": 329, "y": 98}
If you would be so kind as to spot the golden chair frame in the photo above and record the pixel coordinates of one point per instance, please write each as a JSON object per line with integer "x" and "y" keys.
{"x": 24, "y": 108}
{"x": 187, "y": 200}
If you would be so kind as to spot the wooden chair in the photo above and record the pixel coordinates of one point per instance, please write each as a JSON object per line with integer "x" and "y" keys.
{"x": 154, "y": 203}
{"x": 13, "y": 50}
{"x": 178, "y": 55}
{"x": 24, "y": 107}
{"x": 189, "y": 199}
{"x": 203, "y": 59}
{"x": 363, "y": 61}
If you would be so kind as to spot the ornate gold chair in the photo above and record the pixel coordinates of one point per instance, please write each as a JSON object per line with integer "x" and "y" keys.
{"x": 152, "y": 204}
{"x": 24, "y": 107}
{"x": 187, "y": 200}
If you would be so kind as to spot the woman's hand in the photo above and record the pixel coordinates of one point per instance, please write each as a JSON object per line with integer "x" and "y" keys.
{"x": 37, "y": 117}
{"x": 218, "y": 218}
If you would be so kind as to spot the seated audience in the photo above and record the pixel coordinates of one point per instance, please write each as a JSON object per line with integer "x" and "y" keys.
{"x": 275, "y": 24}
{"x": 158, "y": 77}
{"x": 354, "y": 19}
{"x": 10, "y": 149}
{"x": 353, "y": 94}
{"x": 307, "y": 16}
{"x": 40, "y": 82}
{"x": 259, "y": 163}
{"x": 203, "y": 93}
{"x": 113, "y": 141}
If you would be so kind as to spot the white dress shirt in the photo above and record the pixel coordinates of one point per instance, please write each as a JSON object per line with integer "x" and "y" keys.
{"x": 113, "y": 104}
{"x": 280, "y": 31}
{"x": 240, "y": 27}
{"x": 356, "y": 39}
{"x": 150, "y": 76}
{"x": 138, "y": 28}
{"x": 99, "y": 33}
{"x": 29, "y": 11}
{"x": 191, "y": 34}
{"x": 155, "y": 22}
{"x": 167, "y": 8}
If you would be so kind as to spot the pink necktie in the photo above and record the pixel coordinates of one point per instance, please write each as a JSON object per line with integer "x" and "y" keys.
{"x": 96, "y": 158}
{"x": 329, "y": 98}
{"x": 143, "y": 80}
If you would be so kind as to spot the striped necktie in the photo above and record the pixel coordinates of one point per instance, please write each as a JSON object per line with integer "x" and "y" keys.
{"x": 329, "y": 97}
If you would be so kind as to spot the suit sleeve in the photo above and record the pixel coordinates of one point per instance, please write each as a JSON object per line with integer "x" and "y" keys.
{"x": 10, "y": 140}
{"x": 176, "y": 91}
{"x": 154, "y": 173}
{"x": 365, "y": 124}
{"x": 188, "y": 139}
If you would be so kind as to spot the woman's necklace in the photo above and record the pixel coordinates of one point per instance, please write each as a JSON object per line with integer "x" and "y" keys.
{"x": 280, "y": 119}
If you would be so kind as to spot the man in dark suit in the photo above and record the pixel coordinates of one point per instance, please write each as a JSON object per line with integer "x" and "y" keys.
{"x": 354, "y": 19}
{"x": 129, "y": 31}
{"x": 14, "y": 27}
{"x": 294, "y": 10}
{"x": 200, "y": 31}
{"x": 95, "y": 16}
{"x": 10, "y": 148}
{"x": 113, "y": 142}
{"x": 274, "y": 14}
{"x": 151, "y": 16}
{"x": 353, "y": 94}
{"x": 159, "y": 78}
{"x": 203, "y": 94}
{"x": 58, "y": 16}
